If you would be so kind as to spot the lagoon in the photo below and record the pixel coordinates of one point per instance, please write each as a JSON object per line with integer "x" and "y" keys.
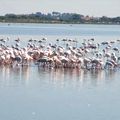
{"x": 32, "y": 93}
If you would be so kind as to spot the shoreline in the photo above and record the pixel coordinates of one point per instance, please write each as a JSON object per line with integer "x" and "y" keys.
{"x": 56, "y": 23}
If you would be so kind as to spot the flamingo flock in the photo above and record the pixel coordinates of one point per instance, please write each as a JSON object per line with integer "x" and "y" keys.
{"x": 89, "y": 54}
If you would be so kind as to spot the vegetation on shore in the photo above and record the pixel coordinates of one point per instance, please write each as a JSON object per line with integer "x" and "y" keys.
{"x": 57, "y": 17}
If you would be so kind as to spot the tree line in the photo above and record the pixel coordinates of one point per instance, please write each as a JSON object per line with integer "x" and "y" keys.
{"x": 57, "y": 17}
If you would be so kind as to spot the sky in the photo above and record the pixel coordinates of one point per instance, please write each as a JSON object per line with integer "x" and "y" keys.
{"x": 96, "y": 8}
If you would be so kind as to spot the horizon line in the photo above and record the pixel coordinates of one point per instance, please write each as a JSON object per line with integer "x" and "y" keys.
{"x": 60, "y": 13}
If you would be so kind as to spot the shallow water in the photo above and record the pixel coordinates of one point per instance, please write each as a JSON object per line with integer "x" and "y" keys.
{"x": 32, "y": 93}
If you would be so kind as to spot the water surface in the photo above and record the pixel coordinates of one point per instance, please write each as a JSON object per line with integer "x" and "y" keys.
{"x": 32, "y": 93}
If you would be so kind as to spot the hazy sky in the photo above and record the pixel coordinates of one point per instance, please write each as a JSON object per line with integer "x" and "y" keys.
{"x": 85, "y": 7}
